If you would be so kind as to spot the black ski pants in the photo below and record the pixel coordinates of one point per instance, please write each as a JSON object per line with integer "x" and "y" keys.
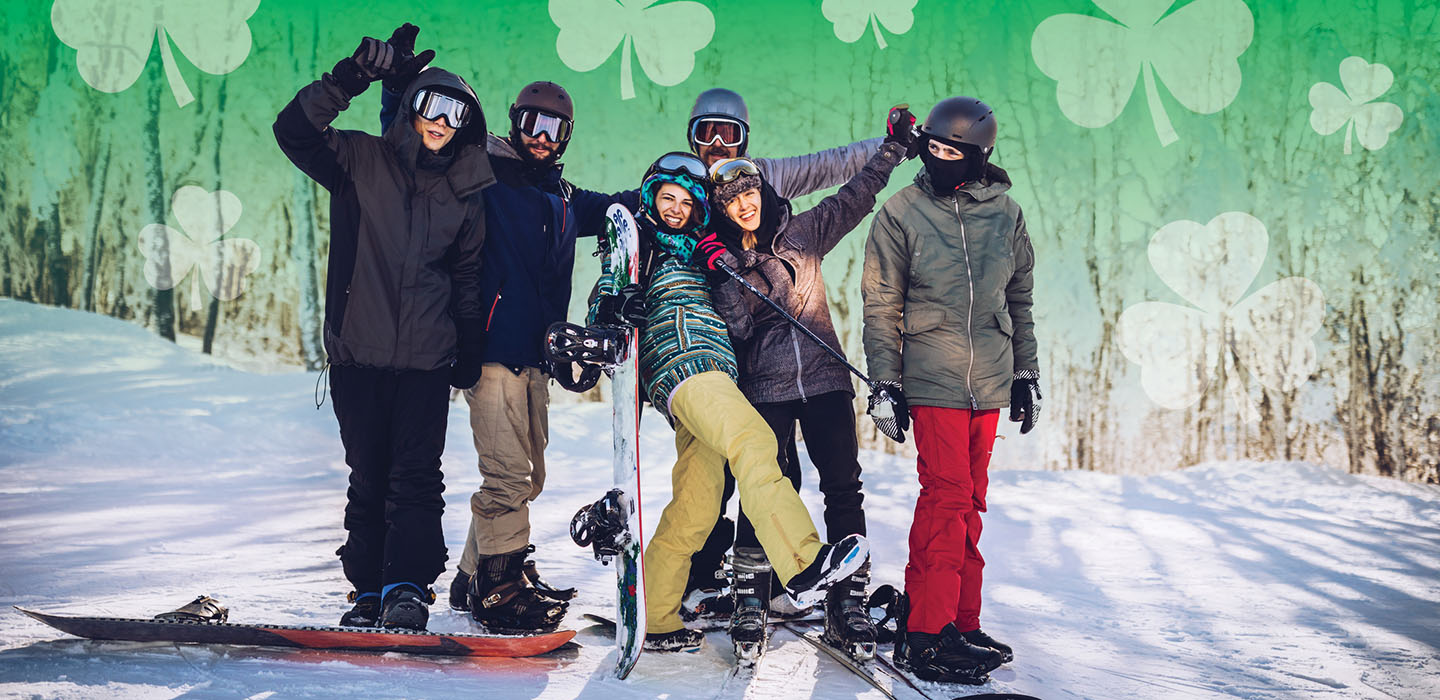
{"x": 828, "y": 421}
{"x": 392, "y": 423}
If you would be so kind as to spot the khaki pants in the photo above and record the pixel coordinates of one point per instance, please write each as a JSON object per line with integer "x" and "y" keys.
{"x": 510, "y": 422}
{"x": 714, "y": 422}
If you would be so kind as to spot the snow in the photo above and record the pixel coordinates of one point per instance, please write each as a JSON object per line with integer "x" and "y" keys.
{"x": 135, "y": 474}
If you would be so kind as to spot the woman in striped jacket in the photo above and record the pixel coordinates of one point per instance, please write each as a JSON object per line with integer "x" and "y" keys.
{"x": 688, "y": 370}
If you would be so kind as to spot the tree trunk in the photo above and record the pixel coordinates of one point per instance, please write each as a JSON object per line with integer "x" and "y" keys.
{"x": 162, "y": 300}
{"x": 92, "y": 221}
{"x": 212, "y": 317}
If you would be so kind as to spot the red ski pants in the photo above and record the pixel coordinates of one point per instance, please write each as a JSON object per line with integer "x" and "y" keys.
{"x": 945, "y": 569}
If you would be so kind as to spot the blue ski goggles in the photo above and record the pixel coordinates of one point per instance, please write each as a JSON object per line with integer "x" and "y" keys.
{"x": 432, "y": 105}
{"x": 678, "y": 163}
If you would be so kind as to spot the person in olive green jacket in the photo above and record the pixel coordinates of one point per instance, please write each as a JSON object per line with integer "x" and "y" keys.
{"x": 949, "y": 336}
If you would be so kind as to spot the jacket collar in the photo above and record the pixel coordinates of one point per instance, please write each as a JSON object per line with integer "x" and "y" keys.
{"x": 994, "y": 184}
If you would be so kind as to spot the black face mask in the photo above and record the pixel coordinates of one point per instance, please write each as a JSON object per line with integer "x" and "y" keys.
{"x": 947, "y": 175}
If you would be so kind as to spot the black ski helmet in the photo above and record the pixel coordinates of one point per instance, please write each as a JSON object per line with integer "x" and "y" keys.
{"x": 546, "y": 97}
{"x": 962, "y": 120}
{"x": 719, "y": 102}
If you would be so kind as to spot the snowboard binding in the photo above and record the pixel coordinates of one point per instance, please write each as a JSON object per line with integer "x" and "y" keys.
{"x": 601, "y": 526}
{"x": 594, "y": 345}
{"x": 202, "y": 609}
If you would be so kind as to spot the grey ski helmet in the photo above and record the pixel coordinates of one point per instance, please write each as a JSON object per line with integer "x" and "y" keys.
{"x": 962, "y": 120}
{"x": 719, "y": 102}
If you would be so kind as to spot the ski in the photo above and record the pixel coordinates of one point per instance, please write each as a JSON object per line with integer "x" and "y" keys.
{"x": 840, "y": 657}
{"x": 302, "y": 637}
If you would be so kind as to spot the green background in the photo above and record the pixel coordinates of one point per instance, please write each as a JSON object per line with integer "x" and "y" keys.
{"x": 85, "y": 171}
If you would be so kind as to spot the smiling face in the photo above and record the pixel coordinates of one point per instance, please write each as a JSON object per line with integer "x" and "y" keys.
{"x": 744, "y": 209}
{"x": 674, "y": 203}
{"x": 435, "y": 134}
{"x": 944, "y": 152}
{"x": 541, "y": 148}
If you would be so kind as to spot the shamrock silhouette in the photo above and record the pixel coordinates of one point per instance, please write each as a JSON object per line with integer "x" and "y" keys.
{"x": 1193, "y": 50}
{"x": 223, "y": 262}
{"x": 114, "y": 37}
{"x": 1211, "y": 266}
{"x": 665, "y": 36}
{"x": 1371, "y": 122}
{"x": 851, "y": 17}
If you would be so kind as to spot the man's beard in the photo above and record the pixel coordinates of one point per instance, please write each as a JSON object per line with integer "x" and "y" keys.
{"x": 717, "y": 152}
{"x": 549, "y": 157}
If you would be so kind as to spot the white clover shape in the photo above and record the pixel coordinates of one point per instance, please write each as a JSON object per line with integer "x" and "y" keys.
{"x": 113, "y": 38}
{"x": 1179, "y": 348}
{"x": 205, "y": 217}
{"x": 665, "y": 37}
{"x": 1370, "y": 122}
{"x": 1193, "y": 51}
{"x": 852, "y": 17}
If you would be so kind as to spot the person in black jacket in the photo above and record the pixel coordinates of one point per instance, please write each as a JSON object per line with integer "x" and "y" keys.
{"x": 403, "y": 314}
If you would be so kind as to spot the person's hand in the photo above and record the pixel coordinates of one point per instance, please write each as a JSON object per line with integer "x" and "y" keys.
{"x": 406, "y": 65}
{"x": 465, "y": 372}
{"x": 626, "y": 307}
{"x": 1025, "y": 400}
{"x": 710, "y": 251}
{"x": 900, "y": 130}
{"x": 889, "y": 409}
{"x": 372, "y": 60}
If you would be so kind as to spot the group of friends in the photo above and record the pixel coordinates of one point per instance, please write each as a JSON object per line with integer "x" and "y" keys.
{"x": 452, "y": 249}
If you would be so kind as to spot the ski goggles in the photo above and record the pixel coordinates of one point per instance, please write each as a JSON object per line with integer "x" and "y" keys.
{"x": 432, "y": 105}
{"x": 533, "y": 122}
{"x": 732, "y": 169}
{"x": 681, "y": 164}
{"x": 728, "y": 132}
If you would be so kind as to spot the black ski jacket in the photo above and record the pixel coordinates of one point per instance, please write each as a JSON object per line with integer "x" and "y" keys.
{"x": 405, "y": 241}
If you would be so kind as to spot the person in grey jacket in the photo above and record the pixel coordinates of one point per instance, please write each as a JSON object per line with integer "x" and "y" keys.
{"x": 787, "y": 376}
{"x": 949, "y": 334}
{"x": 403, "y": 314}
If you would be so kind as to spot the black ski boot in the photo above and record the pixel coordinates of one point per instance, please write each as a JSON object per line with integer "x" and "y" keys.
{"x": 980, "y": 639}
{"x": 460, "y": 591}
{"x": 502, "y": 600}
{"x": 947, "y": 657}
{"x": 834, "y": 563}
{"x": 366, "y": 612}
{"x": 680, "y": 640}
{"x": 406, "y": 607}
{"x": 848, "y": 626}
{"x": 542, "y": 586}
{"x": 751, "y": 593}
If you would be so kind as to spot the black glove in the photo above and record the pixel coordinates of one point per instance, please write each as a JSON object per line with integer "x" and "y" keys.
{"x": 407, "y": 64}
{"x": 465, "y": 372}
{"x": 624, "y": 308}
{"x": 1025, "y": 399}
{"x": 373, "y": 60}
{"x": 889, "y": 409}
{"x": 900, "y": 130}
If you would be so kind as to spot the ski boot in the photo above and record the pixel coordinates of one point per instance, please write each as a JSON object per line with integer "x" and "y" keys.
{"x": 680, "y": 640}
{"x": 503, "y": 601}
{"x": 542, "y": 586}
{"x": 602, "y": 526}
{"x": 366, "y": 612}
{"x": 782, "y": 606}
{"x": 707, "y": 604}
{"x": 707, "y": 588}
{"x": 847, "y": 623}
{"x": 751, "y": 593}
{"x": 834, "y": 563}
{"x": 407, "y": 607}
{"x": 980, "y": 639}
{"x": 460, "y": 591}
{"x": 947, "y": 657}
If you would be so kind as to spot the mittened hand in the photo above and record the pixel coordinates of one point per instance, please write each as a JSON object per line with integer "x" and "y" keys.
{"x": 465, "y": 372}
{"x": 1025, "y": 399}
{"x": 889, "y": 409}
{"x": 626, "y": 307}
{"x": 406, "y": 64}
{"x": 900, "y": 130}
{"x": 709, "y": 252}
{"x": 374, "y": 58}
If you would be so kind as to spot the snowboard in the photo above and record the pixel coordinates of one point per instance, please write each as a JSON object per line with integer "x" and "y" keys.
{"x": 718, "y": 624}
{"x": 302, "y": 637}
{"x": 623, "y": 237}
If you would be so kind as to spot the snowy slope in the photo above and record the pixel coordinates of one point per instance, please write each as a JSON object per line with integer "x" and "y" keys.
{"x": 135, "y": 474}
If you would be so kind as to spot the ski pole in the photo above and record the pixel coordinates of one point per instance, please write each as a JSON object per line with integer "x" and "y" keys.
{"x": 794, "y": 321}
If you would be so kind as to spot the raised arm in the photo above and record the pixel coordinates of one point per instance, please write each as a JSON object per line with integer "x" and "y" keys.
{"x": 821, "y": 228}
{"x": 798, "y": 176}
{"x": 303, "y": 127}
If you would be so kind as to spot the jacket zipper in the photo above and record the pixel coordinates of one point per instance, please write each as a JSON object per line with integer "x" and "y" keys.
{"x": 970, "y": 319}
{"x": 799, "y": 368}
{"x": 491, "y": 316}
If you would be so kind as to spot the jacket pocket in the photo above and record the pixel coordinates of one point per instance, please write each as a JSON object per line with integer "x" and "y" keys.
{"x": 1007, "y": 326}
{"x": 916, "y": 321}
